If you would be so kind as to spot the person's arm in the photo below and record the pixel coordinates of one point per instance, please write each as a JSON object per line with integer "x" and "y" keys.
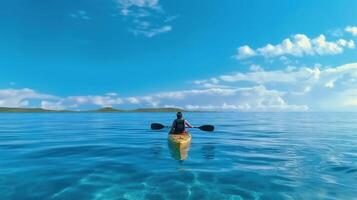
{"x": 173, "y": 126}
{"x": 188, "y": 124}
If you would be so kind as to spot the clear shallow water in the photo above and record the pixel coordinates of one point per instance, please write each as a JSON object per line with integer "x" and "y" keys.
{"x": 116, "y": 156}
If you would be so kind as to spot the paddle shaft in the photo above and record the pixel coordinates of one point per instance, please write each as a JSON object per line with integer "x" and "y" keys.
{"x": 157, "y": 126}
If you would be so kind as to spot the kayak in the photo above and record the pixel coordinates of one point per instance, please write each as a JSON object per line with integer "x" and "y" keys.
{"x": 180, "y": 140}
{"x": 179, "y": 145}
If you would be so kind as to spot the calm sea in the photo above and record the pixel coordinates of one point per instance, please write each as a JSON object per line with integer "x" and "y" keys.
{"x": 116, "y": 156}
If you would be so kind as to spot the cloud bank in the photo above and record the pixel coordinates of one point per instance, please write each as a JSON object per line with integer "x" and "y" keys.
{"x": 298, "y": 45}
{"x": 289, "y": 89}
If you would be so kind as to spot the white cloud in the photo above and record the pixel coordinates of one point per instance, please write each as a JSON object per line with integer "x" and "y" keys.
{"x": 278, "y": 76}
{"x": 320, "y": 88}
{"x": 20, "y": 97}
{"x": 146, "y": 17}
{"x": 330, "y": 84}
{"x": 214, "y": 80}
{"x": 184, "y": 93}
{"x": 350, "y": 68}
{"x": 244, "y": 52}
{"x": 53, "y": 105}
{"x": 338, "y": 32}
{"x": 152, "y": 32}
{"x": 108, "y": 100}
{"x": 349, "y": 97}
{"x": 172, "y": 106}
{"x": 305, "y": 90}
{"x": 103, "y": 101}
{"x": 111, "y": 94}
{"x": 256, "y": 98}
{"x": 255, "y": 68}
{"x": 298, "y": 45}
{"x": 80, "y": 14}
{"x": 303, "y": 77}
{"x": 127, "y": 4}
{"x": 171, "y": 18}
{"x": 210, "y": 83}
{"x": 133, "y": 100}
{"x": 344, "y": 43}
{"x": 352, "y": 30}
{"x": 201, "y": 107}
{"x": 149, "y": 100}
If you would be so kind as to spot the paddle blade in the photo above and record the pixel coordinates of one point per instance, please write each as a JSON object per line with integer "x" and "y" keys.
{"x": 157, "y": 126}
{"x": 206, "y": 128}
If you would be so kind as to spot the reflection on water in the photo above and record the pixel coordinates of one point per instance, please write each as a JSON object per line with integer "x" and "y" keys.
{"x": 156, "y": 151}
{"x": 208, "y": 151}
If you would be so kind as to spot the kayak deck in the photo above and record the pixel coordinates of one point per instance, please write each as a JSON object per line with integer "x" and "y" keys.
{"x": 179, "y": 145}
{"x": 180, "y": 139}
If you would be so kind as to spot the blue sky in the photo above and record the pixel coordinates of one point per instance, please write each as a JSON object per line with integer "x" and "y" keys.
{"x": 66, "y": 54}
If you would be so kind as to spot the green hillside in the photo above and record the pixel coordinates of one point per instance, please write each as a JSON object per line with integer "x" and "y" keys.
{"x": 107, "y": 109}
{"x": 101, "y": 110}
{"x": 5, "y": 109}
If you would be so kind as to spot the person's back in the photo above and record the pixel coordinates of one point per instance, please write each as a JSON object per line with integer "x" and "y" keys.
{"x": 179, "y": 125}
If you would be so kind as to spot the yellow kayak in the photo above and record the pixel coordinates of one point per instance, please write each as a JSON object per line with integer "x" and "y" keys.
{"x": 179, "y": 145}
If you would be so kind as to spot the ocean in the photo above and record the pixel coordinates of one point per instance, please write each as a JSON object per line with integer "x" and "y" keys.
{"x": 116, "y": 156}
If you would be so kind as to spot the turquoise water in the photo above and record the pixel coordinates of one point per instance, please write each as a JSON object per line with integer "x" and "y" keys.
{"x": 115, "y": 156}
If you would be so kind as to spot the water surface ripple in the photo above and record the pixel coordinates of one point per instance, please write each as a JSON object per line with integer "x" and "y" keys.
{"x": 115, "y": 156}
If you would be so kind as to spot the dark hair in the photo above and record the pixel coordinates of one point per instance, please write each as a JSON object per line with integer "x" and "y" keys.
{"x": 179, "y": 115}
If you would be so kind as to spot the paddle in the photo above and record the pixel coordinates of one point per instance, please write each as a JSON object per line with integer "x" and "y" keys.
{"x": 157, "y": 126}
{"x": 206, "y": 128}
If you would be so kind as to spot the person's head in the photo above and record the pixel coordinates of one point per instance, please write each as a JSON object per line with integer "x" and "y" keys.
{"x": 179, "y": 115}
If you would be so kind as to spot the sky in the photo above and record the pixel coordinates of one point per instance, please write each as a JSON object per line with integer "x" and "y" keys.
{"x": 225, "y": 55}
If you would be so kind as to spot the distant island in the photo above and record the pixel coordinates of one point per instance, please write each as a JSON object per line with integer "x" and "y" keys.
{"x": 109, "y": 109}
{"x": 5, "y": 109}
{"x": 101, "y": 110}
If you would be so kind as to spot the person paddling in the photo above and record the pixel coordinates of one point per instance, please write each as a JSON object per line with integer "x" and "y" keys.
{"x": 179, "y": 125}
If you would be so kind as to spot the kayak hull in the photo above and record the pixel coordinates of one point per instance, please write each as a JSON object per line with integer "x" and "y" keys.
{"x": 179, "y": 145}
{"x": 180, "y": 140}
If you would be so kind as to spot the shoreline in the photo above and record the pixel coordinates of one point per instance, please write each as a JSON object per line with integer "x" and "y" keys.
{"x": 101, "y": 110}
